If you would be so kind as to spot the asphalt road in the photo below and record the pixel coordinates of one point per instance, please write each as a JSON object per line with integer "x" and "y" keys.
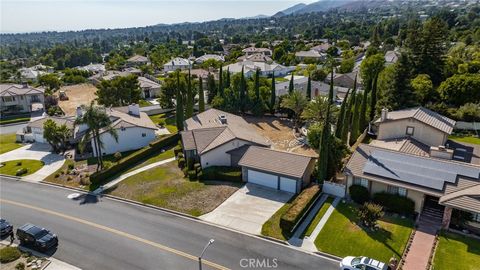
{"x": 6, "y": 129}
{"x": 108, "y": 234}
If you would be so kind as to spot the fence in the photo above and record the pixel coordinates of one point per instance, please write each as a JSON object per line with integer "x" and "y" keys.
{"x": 334, "y": 189}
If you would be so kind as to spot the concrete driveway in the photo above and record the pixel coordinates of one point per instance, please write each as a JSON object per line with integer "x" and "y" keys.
{"x": 37, "y": 151}
{"x": 248, "y": 208}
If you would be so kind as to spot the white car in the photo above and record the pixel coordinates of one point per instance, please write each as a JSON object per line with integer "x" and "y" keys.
{"x": 362, "y": 263}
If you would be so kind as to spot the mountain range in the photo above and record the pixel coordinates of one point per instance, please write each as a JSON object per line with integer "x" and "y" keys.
{"x": 322, "y": 5}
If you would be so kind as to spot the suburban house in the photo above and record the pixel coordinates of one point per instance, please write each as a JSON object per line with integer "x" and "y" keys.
{"x": 150, "y": 88}
{"x": 256, "y": 57}
{"x": 345, "y": 79}
{"x": 33, "y": 132}
{"x": 311, "y": 54}
{"x": 250, "y": 67}
{"x": 391, "y": 57}
{"x": 300, "y": 84}
{"x": 137, "y": 60}
{"x": 413, "y": 157}
{"x": 32, "y": 73}
{"x": 322, "y": 48}
{"x": 253, "y": 50}
{"x": 217, "y": 138}
{"x": 93, "y": 68}
{"x": 206, "y": 57}
{"x": 177, "y": 63}
{"x": 20, "y": 98}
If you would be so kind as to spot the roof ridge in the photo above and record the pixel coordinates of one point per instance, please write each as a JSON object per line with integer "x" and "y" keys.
{"x": 286, "y": 152}
{"x": 451, "y": 195}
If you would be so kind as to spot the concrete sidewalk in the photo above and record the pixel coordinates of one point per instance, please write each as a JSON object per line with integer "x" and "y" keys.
{"x": 126, "y": 175}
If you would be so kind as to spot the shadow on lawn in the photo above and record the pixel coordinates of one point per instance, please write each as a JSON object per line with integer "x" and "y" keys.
{"x": 473, "y": 244}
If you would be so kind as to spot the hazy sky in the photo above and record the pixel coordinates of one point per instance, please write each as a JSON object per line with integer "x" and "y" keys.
{"x": 62, "y": 15}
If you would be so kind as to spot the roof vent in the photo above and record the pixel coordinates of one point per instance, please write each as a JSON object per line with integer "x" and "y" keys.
{"x": 134, "y": 109}
{"x": 223, "y": 119}
{"x": 384, "y": 115}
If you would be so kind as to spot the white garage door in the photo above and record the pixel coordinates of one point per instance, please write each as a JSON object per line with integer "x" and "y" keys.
{"x": 288, "y": 184}
{"x": 263, "y": 179}
{"x": 38, "y": 137}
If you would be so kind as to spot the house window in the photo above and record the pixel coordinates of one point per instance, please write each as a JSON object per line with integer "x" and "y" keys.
{"x": 361, "y": 182}
{"x": 476, "y": 217}
{"x": 410, "y": 131}
{"x": 8, "y": 99}
{"x": 144, "y": 135}
{"x": 397, "y": 190}
{"x": 122, "y": 129}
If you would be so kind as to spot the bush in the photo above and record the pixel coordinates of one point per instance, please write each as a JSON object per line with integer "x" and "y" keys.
{"x": 71, "y": 166}
{"x": 181, "y": 162}
{"x": 192, "y": 175}
{"x": 359, "y": 194}
{"x": 369, "y": 213}
{"x": 298, "y": 208}
{"x": 162, "y": 122}
{"x": 9, "y": 254}
{"x": 222, "y": 173}
{"x": 57, "y": 175}
{"x": 177, "y": 149}
{"x": 395, "y": 203}
{"x": 19, "y": 163}
{"x": 117, "y": 156}
{"x": 21, "y": 171}
{"x": 85, "y": 181}
{"x": 20, "y": 266}
{"x": 133, "y": 159}
{"x": 180, "y": 155}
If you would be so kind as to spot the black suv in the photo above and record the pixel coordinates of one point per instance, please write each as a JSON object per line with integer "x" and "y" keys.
{"x": 5, "y": 227}
{"x": 36, "y": 237}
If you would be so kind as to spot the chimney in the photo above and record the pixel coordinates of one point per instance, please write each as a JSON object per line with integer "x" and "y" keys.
{"x": 134, "y": 109}
{"x": 223, "y": 119}
{"x": 79, "y": 112}
{"x": 441, "y": 152}
{"x": 384, "y": 115}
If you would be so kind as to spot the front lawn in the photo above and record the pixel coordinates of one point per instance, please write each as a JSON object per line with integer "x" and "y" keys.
{"x": 7, "y": 143}
{"x": 15, "y": 167}
{"x": 161, "y": 156}
{"x": 272, "y": 228}
{"x": 318, "y": 217}
{"x": 465, "y": 139}
{"x": 170, "y": 122}
{"x": 341, "y": 236}
{"x": 456, "y": 252}
{"x": 165, "y": 186}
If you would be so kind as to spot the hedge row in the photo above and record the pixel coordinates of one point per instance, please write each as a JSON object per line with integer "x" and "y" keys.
{"x": 298, "y": 208}
{"x": 133, "y": 159}
{"x": 395, "y": 203}
{"x": 221, "y": 173}
{"x": 359, "y": 194}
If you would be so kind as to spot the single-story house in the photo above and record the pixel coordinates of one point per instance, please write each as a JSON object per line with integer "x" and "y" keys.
{"x": 345, "y": 80}
{"x": 250, "y": 67}
{"x": 33, "y": 132}
{"x": 256, "y": 57}
{"x": 137, "y": 60}
{"x": 311, "y": 54}
{"x": 177, "y": 63}
{"x": 20, "y": 98}
{"x": 206, "y": 57}
{"x": 300, "y": 84}
{"x": 322, "y": 48}
{"x": 149, "y": 87}
{"x": 253, "y": 50}
{"x": 93, "y": 68}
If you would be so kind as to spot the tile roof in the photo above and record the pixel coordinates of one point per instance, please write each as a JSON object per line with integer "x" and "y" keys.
{"x": 206, "y": 57}
{"x": 178, "y": 61}
{"x": 311, "y": 53}
{"x": 137, "y": 58}
{"x": 284, "y": 163}
{"x": 467, "y": 199}
{"x": 423, "y": 115}
{"x": 10, "y": 89}
{"x": 121, "y": 118}
{"x": 68, "y": 121}
{"x": 147, "y": 83}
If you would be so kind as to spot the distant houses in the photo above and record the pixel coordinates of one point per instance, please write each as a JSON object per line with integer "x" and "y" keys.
{"x": 206, "y": 57}
{"x": 311, "y": 54}
{"x": 177, "y": 63}
{"x": 137, "y": 60}
{"x": 266, "y": 69}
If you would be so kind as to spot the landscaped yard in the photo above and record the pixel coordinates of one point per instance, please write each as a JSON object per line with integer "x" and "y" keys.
{"x": 165, "y": 186}
{"x": 13, "y": 166}
{"x": 465, "y": 139}
{"x": 65, "y": 175}
{"x": 7, "y": 143}
{"x": 272, "y": 228}
{"x": 169, "y": 121}
{"x": 342, "y": 237}
{"x": 161, "y": 156}
{"x": 456, "y": 252}
{"x": 318, "y": 217}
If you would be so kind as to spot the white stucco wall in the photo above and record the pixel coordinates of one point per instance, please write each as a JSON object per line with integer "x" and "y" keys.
{"x": 423, "y": 133}
{"x": 128, "y": 139}
{"x": 218, "y": 156}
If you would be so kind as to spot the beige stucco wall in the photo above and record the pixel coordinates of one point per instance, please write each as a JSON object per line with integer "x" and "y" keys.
{"x": 306, "y": 179}
{"x": 423, "y": 133}
{"x": 218, "y": 156}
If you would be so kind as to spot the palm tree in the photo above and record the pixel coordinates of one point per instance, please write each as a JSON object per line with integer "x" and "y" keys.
{"x": 316, "y": 110}
{"x": 296, "y": 102}
{"x": 97, "y": 121}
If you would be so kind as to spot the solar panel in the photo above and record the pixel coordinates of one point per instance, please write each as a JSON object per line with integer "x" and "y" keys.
{"x": 430, "y": 173}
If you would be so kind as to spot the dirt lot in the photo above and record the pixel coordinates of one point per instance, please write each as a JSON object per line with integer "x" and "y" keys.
{"x": 77, "y": 94}
{"x": 280, "y": 134}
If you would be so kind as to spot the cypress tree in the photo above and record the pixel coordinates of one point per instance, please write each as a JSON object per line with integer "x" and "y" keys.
{"x": 356, "y": 119}
{"x": 348, "y": 113}
{"x": 373, "y": 98}
{"x": 257, "y": 84}
{"x": 290, "y": 85}
{"x": 227, "y": 81}
{"x": 212, "y": 90}
{"x": 201, "y": 96}
{"x": 362, "y": 121}
{"x": 220, "y": 81}
{"x": 243, "y": 89}
{"x": 273, "y": 95}
{"x": 324, "y": 145}
{"x": 179, "y": 106}
{"x": 341, "y": 117}
{"x": 189, "y": 108}
{"x": 309, "y": 88}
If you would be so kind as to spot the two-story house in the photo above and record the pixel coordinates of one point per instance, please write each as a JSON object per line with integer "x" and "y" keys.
{"x": 20, "y": 98}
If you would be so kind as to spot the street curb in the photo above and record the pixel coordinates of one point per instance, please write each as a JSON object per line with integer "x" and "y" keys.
{"x": 14, "y": 124}
{"x": 18, "y": 178}
{"x": 273, "y": 239}
{"x": 63, "y": 186}
{"x": 333, "y": 257}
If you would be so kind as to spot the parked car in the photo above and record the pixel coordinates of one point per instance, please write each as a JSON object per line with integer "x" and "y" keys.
{"x": 363, "y": 263}
{"x": 36, "y": 237}
{"x": 5, "y": 227}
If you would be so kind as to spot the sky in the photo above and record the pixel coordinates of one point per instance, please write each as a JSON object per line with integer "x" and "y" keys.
{"x": 19, "y": 16}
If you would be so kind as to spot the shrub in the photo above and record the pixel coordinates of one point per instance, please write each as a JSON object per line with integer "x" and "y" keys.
{"x": 192, "y": 175}
{"x": 69, "y": 178}
{"x": 71, "y": 166}
{"x": 369, "y": 213}
{"x": 117, "y": 156}
{"x": 21, "y": 171}
{"x": 85, "y": 181}
{"x": 395, "y": 203}
{"x": 359, "y": 194}
{"x": 9, "y": 254}
{"x": 181, "y": 162}
{"x": 222, "y": 173}
{"x": 162, "y": 122}
{"x": 19, "y": 163}
{"x": 298, "y": 208}
{"x": 177, "y": 149}
{"x": 180, "y": 155}
{"x": 57, "y": 175}
{"x": 20, "y": 266}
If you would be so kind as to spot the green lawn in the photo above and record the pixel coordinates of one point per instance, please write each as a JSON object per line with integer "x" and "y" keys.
{"x": 465, "y": 139}
{"x": 272, "y": 228}
{"x": 7, "y": 143}
{"x": 169, "y": 121}
{"x": 457, "y": 252}
{"x": 11, "y": 167}
{"x": 144, "y": 103}
{"x": 165, "y": 186}
{"x": 161, "y": 156}
{"x": 318, "y": 217}
{"x": 342, "y": 237}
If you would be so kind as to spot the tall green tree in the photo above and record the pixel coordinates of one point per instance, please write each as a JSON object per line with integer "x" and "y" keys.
{"x": 322, "y": 163}
{"x": 96, "y": 119}
{"x": 347, "y": 122}
{"x": 212, "y": 89}
{"x": 355, "y": 128}
{"x": 56, "y": 135}
{"x": 291, "y": 86}
{"x": 179, "y": 112}
{"x": 227, "y": 80}
{"x": 362, "y": 120}
{"x": 257, "y": 84}
{"x": 373, "y": 99}
{"x": 309, "y": 88}
{"x": 120, "y": 91}
{"x": 220, "y": 81}
{"x": 341, "y": 117}
{"x": 295, "y": 102}
{"x": 273, "y": 95}
{"x": 243, "y": 92}
{"x": 201, "y": 96}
